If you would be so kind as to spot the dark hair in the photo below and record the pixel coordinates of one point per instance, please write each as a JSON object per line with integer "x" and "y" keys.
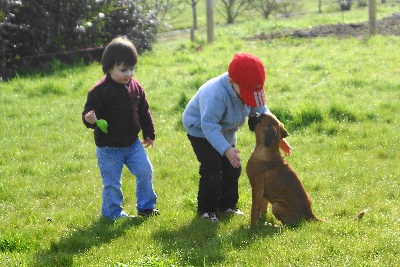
{"x": 119, "y": 51}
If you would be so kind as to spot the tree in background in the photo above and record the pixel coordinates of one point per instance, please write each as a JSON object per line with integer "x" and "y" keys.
{"x": 231, "y": 9}
{"x": 164, "y": 9}
{"x": 193, "y": 4}
{"x": 288, "y": 7}
{"x": 264, "y": 7}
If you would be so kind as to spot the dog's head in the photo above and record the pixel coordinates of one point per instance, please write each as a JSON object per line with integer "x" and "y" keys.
{"x": 268, "y": 128}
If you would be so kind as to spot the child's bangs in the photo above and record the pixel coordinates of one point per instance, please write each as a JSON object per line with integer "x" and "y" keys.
{"x": 126, "y": 57}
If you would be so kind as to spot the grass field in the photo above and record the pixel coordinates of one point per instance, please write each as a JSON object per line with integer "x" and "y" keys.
{"x": 339, "y": 99}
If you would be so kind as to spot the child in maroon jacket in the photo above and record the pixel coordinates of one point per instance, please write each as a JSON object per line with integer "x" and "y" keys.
{"x": 120, "y": 100}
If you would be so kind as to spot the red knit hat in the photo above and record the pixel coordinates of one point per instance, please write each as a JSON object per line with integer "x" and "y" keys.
{"x": 248, "y": 72}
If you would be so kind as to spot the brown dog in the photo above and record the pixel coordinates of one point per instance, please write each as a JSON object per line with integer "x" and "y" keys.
{"x": 272, "y": 179}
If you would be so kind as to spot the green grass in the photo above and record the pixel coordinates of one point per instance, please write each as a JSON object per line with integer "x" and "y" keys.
{"x": 339, "y": 99}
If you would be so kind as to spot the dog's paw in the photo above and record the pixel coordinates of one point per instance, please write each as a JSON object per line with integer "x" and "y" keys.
{"x": 268, "y": 224}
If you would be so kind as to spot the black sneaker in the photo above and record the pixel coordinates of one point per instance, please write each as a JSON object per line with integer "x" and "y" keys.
{"x": 149, "y": 212}
{"x": 128, "y": 216}
{"x": 209, "y": 216}
{"x": 234, "y": 210}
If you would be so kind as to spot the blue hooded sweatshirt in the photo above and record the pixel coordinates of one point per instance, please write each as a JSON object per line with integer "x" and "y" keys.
{"x": 216, "y": 112}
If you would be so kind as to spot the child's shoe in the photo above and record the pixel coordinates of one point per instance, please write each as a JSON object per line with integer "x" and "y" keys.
{"x": 210, "y": 216}
{"x": 149, "y": 212}
{"x": 234, "y": 210}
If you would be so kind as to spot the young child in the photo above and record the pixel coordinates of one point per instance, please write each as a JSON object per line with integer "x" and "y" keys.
{"x": 120, "y": 100}
{"x": 211, "y": 118}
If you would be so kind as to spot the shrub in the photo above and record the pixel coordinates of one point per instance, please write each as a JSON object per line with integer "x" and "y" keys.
{"x": 127, "y": 19}
{"x": 345, "y": 4}
{"x": 41, "y": 26}
{"x": 122, "y": 17}
{"x": 38, "y": 31}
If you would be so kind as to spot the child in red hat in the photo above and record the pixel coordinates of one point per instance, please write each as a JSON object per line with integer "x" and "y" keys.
{"x": 212, "y": 118}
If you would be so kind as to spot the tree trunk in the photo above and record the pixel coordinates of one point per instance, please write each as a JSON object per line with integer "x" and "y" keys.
{"x": 372, "y": 17}
{"x": 210, "y": 21}
{"x": 194, "y": 12}
{"x": 319, "y": 6}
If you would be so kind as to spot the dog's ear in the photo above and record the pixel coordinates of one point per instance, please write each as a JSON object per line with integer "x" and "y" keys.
{"x": 284, "y": 132}
{"x": 254, "y": 119}
{"x": 270, "y": 136}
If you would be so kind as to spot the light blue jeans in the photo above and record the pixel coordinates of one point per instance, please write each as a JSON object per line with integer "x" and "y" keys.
{"x": 111, "y": 161}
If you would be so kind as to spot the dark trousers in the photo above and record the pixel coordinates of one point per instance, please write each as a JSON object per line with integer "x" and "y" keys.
{"x": 218, "y": 185}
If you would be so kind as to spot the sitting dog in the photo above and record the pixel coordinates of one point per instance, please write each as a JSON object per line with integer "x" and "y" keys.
{"x": 272, "y": 179}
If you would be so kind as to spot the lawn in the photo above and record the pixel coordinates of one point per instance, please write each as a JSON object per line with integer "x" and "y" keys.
{"x": 339, "y": 100}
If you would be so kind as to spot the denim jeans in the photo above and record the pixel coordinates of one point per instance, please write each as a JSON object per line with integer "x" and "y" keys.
{"x": 111, "y": 161}
{"x": 218, "y": 185}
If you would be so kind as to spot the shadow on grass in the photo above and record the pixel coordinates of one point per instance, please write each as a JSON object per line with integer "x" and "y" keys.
{"x": 245, "y": 236}
{"x": 200, "y": 244}
{"x": 195, "y": 244}
{"x": 101, "y": 231}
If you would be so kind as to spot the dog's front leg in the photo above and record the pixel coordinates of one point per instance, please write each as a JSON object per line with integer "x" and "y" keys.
{"x": 264, "y": 209}
{"x": 256, "y": 205}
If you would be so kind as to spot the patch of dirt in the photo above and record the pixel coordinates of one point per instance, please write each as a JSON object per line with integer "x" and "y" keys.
{"x": 386, "y": 26}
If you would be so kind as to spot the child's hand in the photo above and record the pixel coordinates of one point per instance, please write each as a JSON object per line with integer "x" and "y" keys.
{"x": 90, "y": 117}
{"x": 233, "y": 155}
{"x": 147, "y": 141}
{"x": 286, "y": 148}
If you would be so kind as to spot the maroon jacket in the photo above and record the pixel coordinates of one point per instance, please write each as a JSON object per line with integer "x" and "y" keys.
{"x": 124, "y": 107}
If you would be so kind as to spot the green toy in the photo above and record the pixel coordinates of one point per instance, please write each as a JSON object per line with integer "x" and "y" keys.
{"x": 102, "y": 124}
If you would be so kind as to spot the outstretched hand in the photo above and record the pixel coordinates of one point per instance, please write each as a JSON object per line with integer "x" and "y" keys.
{"x": 233, "y": 155}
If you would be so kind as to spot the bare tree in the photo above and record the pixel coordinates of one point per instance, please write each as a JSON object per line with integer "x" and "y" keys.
{"x": 210, "y": 21}
{"x": 193, "y": 4}
{"x": 163, "y": 9}
{"x": 231, "y": 9}
{"x": 265, "y": 7}
{"x": 287, "y": 7}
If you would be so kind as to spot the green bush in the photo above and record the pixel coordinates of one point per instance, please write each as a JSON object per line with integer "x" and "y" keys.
{"x": 33, "y": 33}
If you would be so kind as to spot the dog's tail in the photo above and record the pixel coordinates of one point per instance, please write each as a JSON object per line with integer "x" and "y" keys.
{"x": 357, "y": 218}
{"x": 317, "y": 219}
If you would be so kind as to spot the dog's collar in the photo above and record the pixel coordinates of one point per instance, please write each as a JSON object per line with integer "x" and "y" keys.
{"x": 272, "y": 164}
